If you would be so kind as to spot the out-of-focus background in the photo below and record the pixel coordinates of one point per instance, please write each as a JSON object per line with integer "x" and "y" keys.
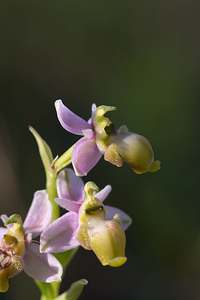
{"x": 144, "y": 58}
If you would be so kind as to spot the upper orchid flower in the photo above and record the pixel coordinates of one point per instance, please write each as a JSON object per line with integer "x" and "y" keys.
{"x": 75, "y": 228}
{"x": 18, "y": 252}
{"x": 85, "y": 154}
{"x": 100, "y": 137}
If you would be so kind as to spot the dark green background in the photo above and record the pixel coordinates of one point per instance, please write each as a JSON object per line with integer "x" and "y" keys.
{"x": 143, "y": 57}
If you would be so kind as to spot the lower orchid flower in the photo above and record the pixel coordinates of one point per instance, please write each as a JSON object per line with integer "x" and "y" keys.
{"x": 17, "y": 250}
{"x": 88, "y": 223}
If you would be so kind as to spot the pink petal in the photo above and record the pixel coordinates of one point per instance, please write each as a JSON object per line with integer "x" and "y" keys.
{"x": 4, "y": 218}
{"x": 91, "y": 120}
{"x": 39, "y": 214}
{"x": 70, "y": 121}
{"x": 125, "y": 220}
{"x": 41, "y": 266}
{"x": 3, "y": 231}
{"x": 89, "y": 134}
{"x": 69, "y": 205}
{"x": 69, "y": 186}
{"x": 85, "y": 156}
{"x": 60, "y": 235}
{"x": 103, "y": 194}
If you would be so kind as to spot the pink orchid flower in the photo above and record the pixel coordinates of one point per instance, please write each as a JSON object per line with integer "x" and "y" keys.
{"x": 40, "y": 266}
{"x": 61, "y": 235}
{"x": 85, "y": 154}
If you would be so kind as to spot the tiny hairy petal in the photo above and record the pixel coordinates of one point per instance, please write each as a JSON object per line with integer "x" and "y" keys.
{"x": 91, "y": 120}
{"x": 60, "y": 235}
{"x": 3, "y": 231}
{"x": 70, "y": 186}
{"x": 85, "y": 156}
{"x": 103, "y": 194}
{"x": 124, "y": 219}
{"x": 39, "y": 214}
{"x": 5, "y": 218}
{"x": 41, "y": 266}
{"x": 70, "y": 121}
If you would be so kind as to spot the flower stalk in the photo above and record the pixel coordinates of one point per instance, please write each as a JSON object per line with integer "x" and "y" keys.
{"x": 64, "y": 160}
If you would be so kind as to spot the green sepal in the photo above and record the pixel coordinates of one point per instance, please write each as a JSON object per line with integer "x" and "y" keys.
{"x": 100, "y": 112}
{"x": 14, "y": 219}
{"x": 44, "y": 150}
{"x": 74, "y": 291}
{"x": 50, "y": 170}
{"x": 103, "y": 127}
{"x": 18, "y": 224}
{"x": 91, "y": 206}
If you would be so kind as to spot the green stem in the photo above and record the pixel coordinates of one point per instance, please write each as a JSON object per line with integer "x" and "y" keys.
{"x": 66, "y": 257}
{"x": 64, "y": 160}
{"x": 52, "y": 192}
{"x": 47, "y": 292}
{"x": 51, "y": 290}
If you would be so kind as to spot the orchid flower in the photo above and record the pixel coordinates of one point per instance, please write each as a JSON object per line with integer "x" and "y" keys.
{"x": 17, "y": 250}
{"x": 85, "y": 154}
{"x": 64, "y": 233}
{"x": 101, "y": 138}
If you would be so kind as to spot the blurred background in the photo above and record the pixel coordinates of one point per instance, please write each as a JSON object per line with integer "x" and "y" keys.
{"x": 144, "y": 58}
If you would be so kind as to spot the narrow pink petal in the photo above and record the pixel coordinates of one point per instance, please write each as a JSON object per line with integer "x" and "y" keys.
{"x": 69, "y": 205}
{"x": 39, "y": 214}
{"x": 85, "y": 156}
{"x": 69, "y": 186}
{"x": 3, "y": 231}
{"x": 91, "y": 120}
{"x": 41, "y": 266}
{"x": 125, "y": 220}
{"x": 4, "y": 218}
{"x": 103, "y": 194}
{"x": 70, "y": 121}
{"x": 60, "y": 235}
